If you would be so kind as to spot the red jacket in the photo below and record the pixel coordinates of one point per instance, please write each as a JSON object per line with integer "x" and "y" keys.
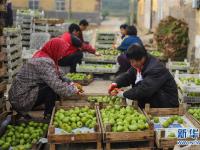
{"x": 72, "y": 49}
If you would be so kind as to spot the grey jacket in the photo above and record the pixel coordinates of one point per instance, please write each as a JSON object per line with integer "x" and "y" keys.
{"x": 24, "y": 89}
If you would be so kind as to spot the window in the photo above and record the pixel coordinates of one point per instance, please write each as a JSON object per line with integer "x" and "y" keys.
{"x": 33, "y": 4}
{"x": 60, "y": 5}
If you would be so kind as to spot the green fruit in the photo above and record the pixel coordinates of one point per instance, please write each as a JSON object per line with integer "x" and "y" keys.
{"x": 156, "y": 120}
{"x": 133, "y": 127}
{"x": 171, "y": 135}
{"x": 180, "y": 121}
{"x": 65, "y": 120}
{"x": 170, "y": 120}
{"x": 5, "y": 146}
{"x": 1, "y": 142}
{"x": 120, "y": 128}
{"x": 191, "y": 111}
{"x": 26, "y": 136}
{"x": 79, "y": 124}
{"x": 165, "y": 124}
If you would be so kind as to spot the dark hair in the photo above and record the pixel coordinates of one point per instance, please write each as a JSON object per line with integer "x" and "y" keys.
{"x": 74, "y": 27}
{"x": 84, "y": 22}
{"x": 76, "y": 41}
{"x": 131, "y": 30}
{"x": 136, "y": 52}
{"x": 124, "y": 26}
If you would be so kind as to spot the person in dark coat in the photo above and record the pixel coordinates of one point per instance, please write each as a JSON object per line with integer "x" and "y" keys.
{"x": 9, "y": 15}
{"x": 151, "y": 82}
{"x": 132, "y": 38}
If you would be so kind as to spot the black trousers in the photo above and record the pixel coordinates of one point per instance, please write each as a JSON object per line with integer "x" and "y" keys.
{"x": 47, "y": 97}
{"x": 72, "y": 60}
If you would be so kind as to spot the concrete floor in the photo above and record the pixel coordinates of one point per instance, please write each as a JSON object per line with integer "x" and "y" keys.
{"x": 100, "y": 87}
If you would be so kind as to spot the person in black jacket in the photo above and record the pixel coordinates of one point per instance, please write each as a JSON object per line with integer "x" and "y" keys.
{"x": 151, "y": 82}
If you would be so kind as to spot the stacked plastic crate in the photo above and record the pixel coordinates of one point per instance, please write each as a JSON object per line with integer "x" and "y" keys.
{"x": 25, "y": 18}
{"x": 13, "y": 49}
{"x": 188, "y": 87}
{"x": 181, "y": 66}
{"x": 107, "y": 62}
{"x": 105, "y": 40}
{"x": 3, "y": 84}
{"x": 52, "y": 26}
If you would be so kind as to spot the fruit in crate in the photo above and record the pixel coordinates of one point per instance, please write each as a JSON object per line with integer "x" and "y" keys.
{"x": 109, "y": 52}
{"x": 93, "y": 66}
{"x": 22, "y": 136}
{"x": 74, "y": 118}
{"x": 195, "y": 112}
{"x": 182, "y": 64}
{"x": 193, "y": 94}
{"x": 171, "y": 120}
{"x": 156, "y": 120}
{"x": 123, "y": 119}
{"x": 105, "y": 99}
{"x": 190, "y": 80}
{"x": 78, "y": 76}
{"x": 156, "y": 53}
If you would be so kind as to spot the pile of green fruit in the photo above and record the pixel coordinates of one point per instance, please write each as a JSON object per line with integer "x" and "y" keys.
{"x": 156, "y": 53}
{"x": 21, "y": 137}
{"x": 11, "y": 30}
{"x": 171, "y": 120}
{"x": 193, "y": 94}
{"x": 78, "y": 76}
{"x": 97, "y": 66}
{"x": 182, "y": 64}
{"x": 74, "y": 118}
{"x": 190, "y": 80}
{"x": 195, "y": 112}
{"x": 106, "y": 99}
{"x": 109, "y": 52}
{"x": 124, "y": 119}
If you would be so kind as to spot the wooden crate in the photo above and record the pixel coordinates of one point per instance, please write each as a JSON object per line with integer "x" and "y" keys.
{"x": 81, "y": 100}
{"x": 14, "y": 121}
{"x": 191, "y": 118}
{"x": 54, "y": 139}
{"x": 161, "y": 141}
{"x": 146, "y": 136}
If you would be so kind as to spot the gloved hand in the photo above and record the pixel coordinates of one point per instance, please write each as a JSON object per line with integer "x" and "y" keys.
{"x": 117, "y": 92}
{"x": 78, "y": 87}
{"x": 112, "y": 87}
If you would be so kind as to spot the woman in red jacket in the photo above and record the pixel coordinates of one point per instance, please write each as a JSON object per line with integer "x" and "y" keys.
{"x": 74, "y": 54}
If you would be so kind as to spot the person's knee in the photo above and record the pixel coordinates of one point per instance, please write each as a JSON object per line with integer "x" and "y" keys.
{"x": 80, "y": 55}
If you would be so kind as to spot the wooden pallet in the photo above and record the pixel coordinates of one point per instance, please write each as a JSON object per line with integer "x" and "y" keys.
{"x": 161, "y": 141}
{"x": 146, "y": 136}
{"x": 54, "y": 139}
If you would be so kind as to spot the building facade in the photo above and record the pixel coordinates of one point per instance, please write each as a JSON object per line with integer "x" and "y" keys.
{"x": 150, "y": 12}
{"x": 75, "y": 9}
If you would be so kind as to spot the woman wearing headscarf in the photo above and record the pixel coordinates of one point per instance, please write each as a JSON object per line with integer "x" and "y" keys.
{"x": 39, "y": 81}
